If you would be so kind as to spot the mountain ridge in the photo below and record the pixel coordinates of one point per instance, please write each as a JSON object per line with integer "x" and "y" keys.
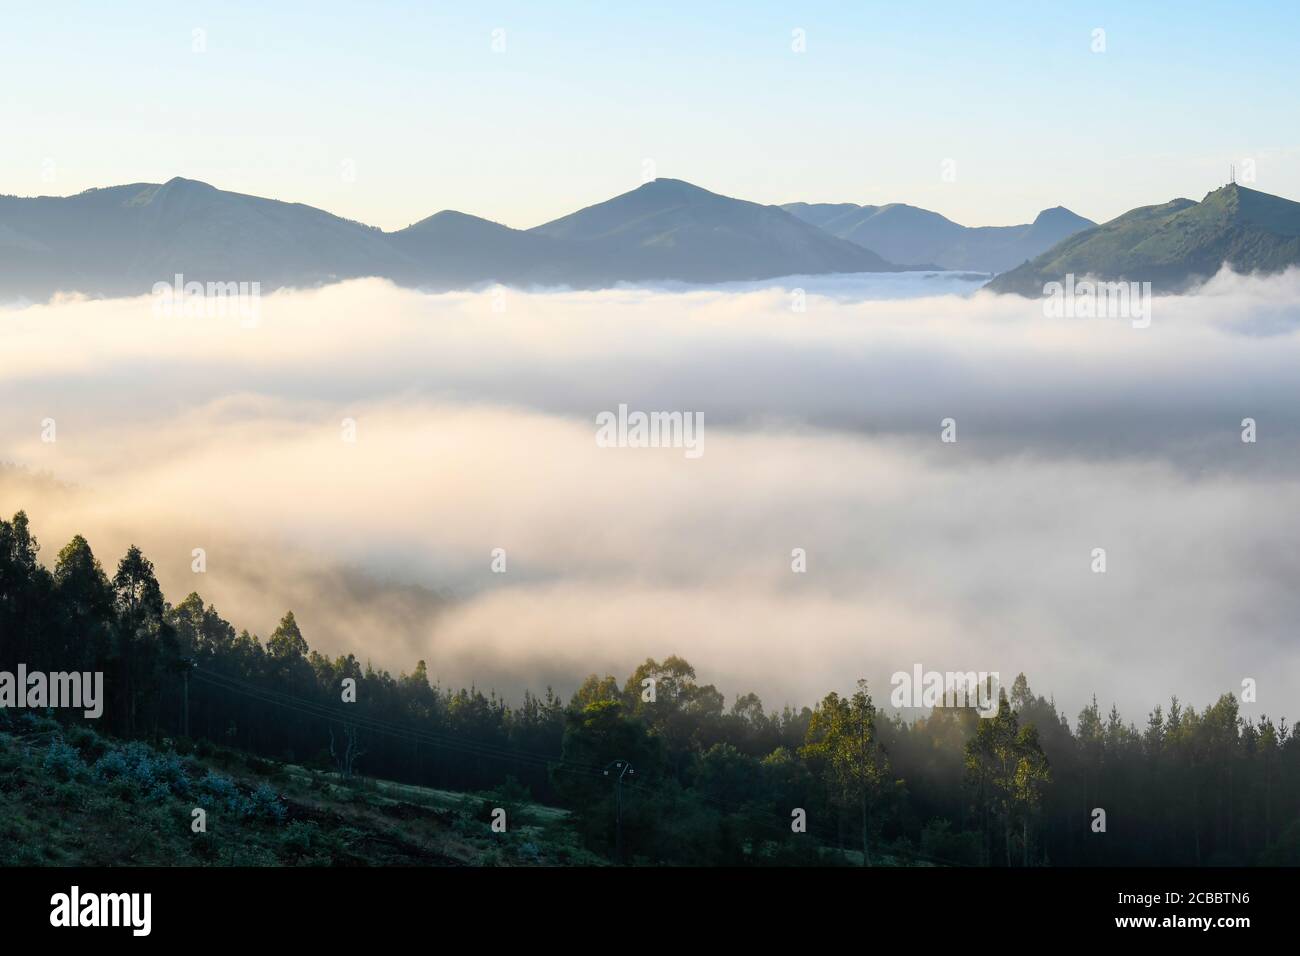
{"x": 120, "y": 240}
{"x": 1173, "y": 245}
{"x": 672, "y": 225}
{"x": 902, "y": 232}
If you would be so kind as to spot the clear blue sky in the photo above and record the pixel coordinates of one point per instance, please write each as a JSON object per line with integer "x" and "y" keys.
{"x": 412, "y": 97}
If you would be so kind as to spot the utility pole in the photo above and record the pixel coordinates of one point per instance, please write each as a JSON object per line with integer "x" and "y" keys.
{"x": 188, "y": 663}
{"x": 624, "y": 768}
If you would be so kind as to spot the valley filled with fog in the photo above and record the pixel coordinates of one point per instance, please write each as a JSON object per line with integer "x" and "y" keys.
{"x": 473, "y": 415}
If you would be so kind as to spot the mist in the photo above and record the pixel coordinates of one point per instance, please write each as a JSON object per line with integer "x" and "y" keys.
{"x": 360, "y": 453}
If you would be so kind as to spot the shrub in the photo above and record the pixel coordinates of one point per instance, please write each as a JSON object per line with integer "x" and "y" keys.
{"x": 62, "y": 761}
{"x": 122, "y": 789}
{"x": 265, "y": 805}
{"x": 168, "y": 770}
{"x": 511, "y": 796}
{"x": 11, "y": 761}
{"x": 158, "y": 793}
{"x": 88, "y": 743}
{"x": 221, "y": 790}
{"x": 33, "y": 723}
{"x": 257, "y": 765}
{"x": 944, "y": 846}
{"x": 1285, "y": 850}
{"x": 465, "y": 824}
{"x": 203, "y": 846}
{"x": 109, "y": 767}
{"x": 136, "y": 766}
{"x": 299, "y": 839}
{"x": 904, "y": 851}
{"x": 68, "y": 795}
{"x": 26, "y": 855}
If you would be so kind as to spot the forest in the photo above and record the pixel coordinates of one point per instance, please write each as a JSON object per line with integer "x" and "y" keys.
{"x": 658, "y": 768}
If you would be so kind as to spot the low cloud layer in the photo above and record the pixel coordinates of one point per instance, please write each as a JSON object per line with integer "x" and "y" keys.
{"x": 475, "y": 430}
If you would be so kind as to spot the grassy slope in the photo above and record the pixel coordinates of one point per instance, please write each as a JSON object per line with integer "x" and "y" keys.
{"x": 51, "y": 817}
{"x": 1173, "y": 244}
{"x": 68, "y": 814}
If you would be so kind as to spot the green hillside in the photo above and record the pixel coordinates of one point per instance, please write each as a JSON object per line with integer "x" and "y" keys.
{"x": 69, "y": 796}
{"x": 1174, "y": 245}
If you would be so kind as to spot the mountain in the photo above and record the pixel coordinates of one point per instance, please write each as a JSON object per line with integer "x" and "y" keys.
{"x": 1174, "y": 245}
{"x": 123, "y": 239}
{"x": 903, "y": 233}
{"x": 452, "y": 248}
{"x": 669, "y": 229}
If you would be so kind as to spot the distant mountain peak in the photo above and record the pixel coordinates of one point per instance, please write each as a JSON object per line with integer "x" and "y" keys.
{"x": 179, "y": 191}
{"x": 447, "y": 216}
{"x": 1232, "y": 189}
{"x": 1059, "y": 214}
{"x": 901, "y": 232}
{"x": 181, "y": 184}
{"x": 664, "y": 184}
{"x": 669, "y": 228}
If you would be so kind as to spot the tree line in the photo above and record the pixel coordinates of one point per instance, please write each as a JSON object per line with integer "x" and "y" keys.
{"x": 841, "y": 781}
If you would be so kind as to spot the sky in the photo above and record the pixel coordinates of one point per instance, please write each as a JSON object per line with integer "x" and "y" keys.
{"x": 388, "y": 112}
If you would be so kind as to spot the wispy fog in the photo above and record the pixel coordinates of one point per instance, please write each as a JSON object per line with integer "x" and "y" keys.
{"x": 475, "y": 430}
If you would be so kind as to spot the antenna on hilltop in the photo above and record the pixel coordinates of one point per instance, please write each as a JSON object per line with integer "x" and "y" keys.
{"x": 1232, "y": 174}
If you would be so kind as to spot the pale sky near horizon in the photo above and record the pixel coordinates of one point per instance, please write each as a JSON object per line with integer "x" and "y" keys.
{"x": 388, "y": 112}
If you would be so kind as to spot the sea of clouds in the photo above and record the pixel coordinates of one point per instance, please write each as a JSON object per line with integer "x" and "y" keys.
{"x": 475, "y": 430}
